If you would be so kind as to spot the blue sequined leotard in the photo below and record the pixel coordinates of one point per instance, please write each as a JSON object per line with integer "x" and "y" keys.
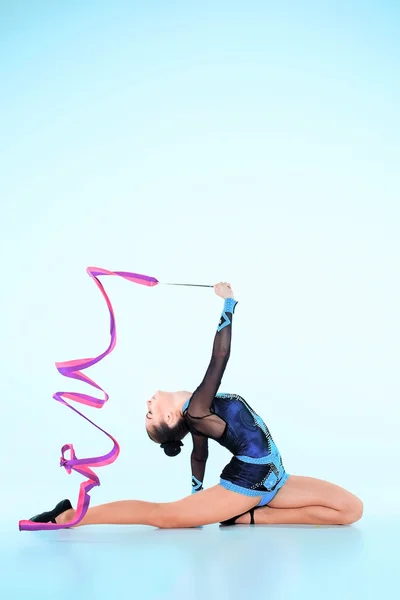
{"x": 256, "y": 468}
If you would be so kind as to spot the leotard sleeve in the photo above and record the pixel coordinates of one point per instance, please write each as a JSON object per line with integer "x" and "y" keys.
{"x": 201, "y": 419}
{"x": 198, "y": 460}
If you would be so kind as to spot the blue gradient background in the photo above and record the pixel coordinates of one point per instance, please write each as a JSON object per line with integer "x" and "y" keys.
{"x": 247, "y": 142}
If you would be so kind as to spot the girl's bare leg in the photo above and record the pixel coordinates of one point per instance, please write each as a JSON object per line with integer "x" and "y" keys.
{"x": 209, "y": 506}
{"x": 306, "y": 500}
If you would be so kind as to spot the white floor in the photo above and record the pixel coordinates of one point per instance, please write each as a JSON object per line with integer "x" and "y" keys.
{"x": 138, "y": 563}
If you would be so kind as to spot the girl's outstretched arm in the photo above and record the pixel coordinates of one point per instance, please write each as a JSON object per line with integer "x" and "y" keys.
{"x": 204, "y": 395}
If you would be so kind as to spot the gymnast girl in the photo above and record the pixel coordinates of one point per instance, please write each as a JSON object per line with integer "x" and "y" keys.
{"x": 254, "y": 487}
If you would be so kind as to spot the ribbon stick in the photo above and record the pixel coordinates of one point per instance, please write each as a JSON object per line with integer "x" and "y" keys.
{"x": 73, "y": 369}
{"x": 189, "y": 285}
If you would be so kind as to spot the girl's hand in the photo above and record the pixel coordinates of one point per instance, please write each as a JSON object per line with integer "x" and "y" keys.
{"x": 223, "y": 290}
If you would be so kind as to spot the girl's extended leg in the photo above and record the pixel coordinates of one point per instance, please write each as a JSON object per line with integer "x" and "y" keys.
{"x": 306, "y": 500}
{"x": 208, "y": 506}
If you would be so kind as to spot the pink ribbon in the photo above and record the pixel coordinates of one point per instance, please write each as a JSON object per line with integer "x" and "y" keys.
{"x": 73, "y": 369}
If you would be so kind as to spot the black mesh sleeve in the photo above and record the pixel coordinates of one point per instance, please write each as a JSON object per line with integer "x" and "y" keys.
{"x": 198, "y": 460}
{"x": 201, "y": 419}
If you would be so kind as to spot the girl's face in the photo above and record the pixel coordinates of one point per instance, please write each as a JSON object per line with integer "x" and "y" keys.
{"x": 159, "y": 409}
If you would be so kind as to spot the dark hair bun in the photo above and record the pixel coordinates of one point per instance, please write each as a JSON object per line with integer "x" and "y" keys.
{"x": 172, "y": 448}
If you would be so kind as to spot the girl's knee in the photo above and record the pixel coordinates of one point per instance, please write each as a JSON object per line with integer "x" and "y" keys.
{"x": 352, "y": 512}
{"x": 165, "y": 519}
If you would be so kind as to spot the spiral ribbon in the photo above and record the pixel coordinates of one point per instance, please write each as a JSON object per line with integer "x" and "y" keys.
{"x": 73, "y": 369}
